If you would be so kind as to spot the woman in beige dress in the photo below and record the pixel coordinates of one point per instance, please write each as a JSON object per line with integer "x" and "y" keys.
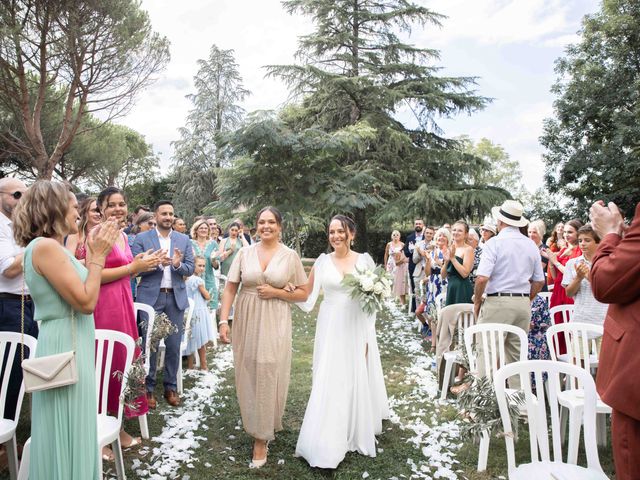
{"x": 262, "y": 328}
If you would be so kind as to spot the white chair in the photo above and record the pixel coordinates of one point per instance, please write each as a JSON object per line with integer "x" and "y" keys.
{"x": 109, "y": 426}
{"x": 445, "y": 331}
{"x": 464, "y": 319}
{"x": 546, "y": 296}
{"x": 546, "y": 457}
{"x": 23, "y": 473}
{"x": 10, "y": 345}
{"x": 491, "y": 338}
{"x": 582, "y": 353}
{"x": 183, "y": 343}
{"x": 151, "y": 317}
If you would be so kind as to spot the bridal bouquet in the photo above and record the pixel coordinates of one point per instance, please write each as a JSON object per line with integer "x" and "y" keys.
{"x": 369, "y": 287}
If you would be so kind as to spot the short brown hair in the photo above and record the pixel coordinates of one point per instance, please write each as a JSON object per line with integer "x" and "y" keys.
{"x": 42, "y": 212}
{"x": 587, "y": 229}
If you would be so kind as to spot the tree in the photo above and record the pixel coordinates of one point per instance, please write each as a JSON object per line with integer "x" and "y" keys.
{"x": 592, "y": 142}
{"x": 101, "y": 53}
{"x": 355, "y": 69}
{"x": 501, "y": 171}
{"x": 118, "y": 156}
{"x": 216, "y": 110}
{"x": 298, "y": 171}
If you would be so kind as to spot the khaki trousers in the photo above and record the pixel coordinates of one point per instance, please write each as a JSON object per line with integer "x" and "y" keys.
{"x": 511, "y": 311}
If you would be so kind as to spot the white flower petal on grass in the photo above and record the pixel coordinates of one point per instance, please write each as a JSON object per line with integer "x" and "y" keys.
{"x": 365, "y": 475}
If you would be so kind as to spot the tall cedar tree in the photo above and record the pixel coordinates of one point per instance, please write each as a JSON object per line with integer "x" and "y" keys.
{"x": 355, "y": 69}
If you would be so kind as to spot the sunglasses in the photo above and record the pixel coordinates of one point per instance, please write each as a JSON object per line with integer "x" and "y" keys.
{"x": 16, "y": 195}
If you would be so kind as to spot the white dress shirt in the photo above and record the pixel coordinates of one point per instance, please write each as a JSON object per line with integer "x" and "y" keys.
{"x": 511, "y": 261}
{"x": 8, "y": 251}
{"x": 165, "y": 244}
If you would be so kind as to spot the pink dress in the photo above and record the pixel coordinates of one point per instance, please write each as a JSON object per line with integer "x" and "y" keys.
{"x": 399, "y": 272}
{"x": 114, "y": 311}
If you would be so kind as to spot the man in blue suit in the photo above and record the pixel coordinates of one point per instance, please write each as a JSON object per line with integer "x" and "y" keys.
{"x": 164, "y": 289}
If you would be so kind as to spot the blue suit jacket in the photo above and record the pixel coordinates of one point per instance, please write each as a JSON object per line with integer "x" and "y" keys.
{"x": 149, "y": 286}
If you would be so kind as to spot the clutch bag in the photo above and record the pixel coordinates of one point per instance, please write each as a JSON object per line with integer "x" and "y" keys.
{"x": 48, "y": 372}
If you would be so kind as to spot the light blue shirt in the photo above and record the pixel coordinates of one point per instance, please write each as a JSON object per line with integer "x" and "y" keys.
{"x": 511, "y": 261}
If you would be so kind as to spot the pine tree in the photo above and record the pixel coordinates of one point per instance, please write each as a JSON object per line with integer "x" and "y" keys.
{"x": 356, "y": 69}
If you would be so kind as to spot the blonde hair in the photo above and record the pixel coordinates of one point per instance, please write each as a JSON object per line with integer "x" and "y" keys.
{"x": 442, "y": 231}
{"x": 394, "y": 232}
{"x": 539, "y": 226}
{"x": 196, "y": 226}
{"x": 42, "y": 212}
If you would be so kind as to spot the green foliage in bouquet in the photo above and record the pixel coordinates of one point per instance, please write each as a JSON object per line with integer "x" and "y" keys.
{"x": 369, "y": 287}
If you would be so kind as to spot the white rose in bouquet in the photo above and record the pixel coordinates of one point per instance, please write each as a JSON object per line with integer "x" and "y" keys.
{"x": 367, "y": 284}
{"x": 378, "y": 288}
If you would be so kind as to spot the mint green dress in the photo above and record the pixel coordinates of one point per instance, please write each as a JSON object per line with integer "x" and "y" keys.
{"x": 64, "y": 430}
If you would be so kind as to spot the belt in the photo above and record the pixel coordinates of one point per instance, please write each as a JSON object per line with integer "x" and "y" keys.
{"x": 501, "y": 294}
{"x": 166, "y": 290}
{"x": 14, "y": 296}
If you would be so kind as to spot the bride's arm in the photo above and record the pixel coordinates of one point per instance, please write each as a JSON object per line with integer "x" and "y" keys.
{"x": 299, "y": 293}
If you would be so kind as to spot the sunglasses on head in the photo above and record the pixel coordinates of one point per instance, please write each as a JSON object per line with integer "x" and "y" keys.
{"x": 16, "y": 195}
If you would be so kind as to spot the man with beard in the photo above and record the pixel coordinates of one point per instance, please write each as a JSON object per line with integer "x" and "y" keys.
{"x": 164, "y": 289}
{"x": 12, "y": 285}
{"x": 409, "y": 246}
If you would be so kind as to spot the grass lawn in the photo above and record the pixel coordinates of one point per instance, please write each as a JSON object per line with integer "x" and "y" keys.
{"x": 203, "y": 439}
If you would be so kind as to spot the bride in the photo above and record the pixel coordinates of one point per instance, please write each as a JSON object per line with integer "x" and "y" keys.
{"x": 348, "y": 397}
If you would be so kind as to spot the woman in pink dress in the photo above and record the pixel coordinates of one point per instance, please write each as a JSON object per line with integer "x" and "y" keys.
{"x": 114, "y": 310}
{"x": 397, "y": 265}
{"x": 557, "y": 262}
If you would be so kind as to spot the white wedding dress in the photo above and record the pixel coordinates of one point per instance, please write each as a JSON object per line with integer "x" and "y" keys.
{"x": 348, "y": 397}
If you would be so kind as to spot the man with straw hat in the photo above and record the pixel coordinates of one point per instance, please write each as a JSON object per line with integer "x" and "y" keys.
{"x": 508, "y": 279}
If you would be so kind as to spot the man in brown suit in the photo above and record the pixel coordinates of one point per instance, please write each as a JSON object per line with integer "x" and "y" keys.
{"x": 615, "y": 279}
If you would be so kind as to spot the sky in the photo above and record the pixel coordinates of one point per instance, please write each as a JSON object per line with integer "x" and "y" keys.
{"x": 509, "y": 45}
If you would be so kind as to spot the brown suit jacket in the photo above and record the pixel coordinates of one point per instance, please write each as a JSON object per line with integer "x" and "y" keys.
{"x": 615, "y": 279}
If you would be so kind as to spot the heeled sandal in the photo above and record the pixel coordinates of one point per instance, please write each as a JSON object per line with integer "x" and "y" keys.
{"x": 260, "y": 463}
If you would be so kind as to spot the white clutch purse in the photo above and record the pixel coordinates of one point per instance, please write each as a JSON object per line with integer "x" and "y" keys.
{"x": 52, "y": 371}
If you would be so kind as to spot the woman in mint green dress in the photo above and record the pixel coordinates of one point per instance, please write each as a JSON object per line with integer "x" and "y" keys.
{"x": 205, "y": 246}
{"x": 64, "y": 443}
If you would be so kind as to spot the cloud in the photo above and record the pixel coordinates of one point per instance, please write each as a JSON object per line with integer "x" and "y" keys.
{"x": 500, "y": 22}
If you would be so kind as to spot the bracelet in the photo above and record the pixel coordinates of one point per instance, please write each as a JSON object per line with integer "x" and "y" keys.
{"x": 223, "y": 322}
{"x": 129, "y": 269}
{"x": 96, "y": 263}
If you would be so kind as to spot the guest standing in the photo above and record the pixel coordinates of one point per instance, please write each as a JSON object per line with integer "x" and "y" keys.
{"x": 557, "y": 262}
{"x": 207, "y": 248}
{"x": 114, "y": 310}
{"x": 396, "y": 264}
{"x": 230, "y": 246}
{"x": 164, "y": 289}
{"x": 540, "y": 318}
{"x": 90, "y": 216}
{"x": 11, "y": 280}
{"x": 511, "y": 274}
{"x": 64, "y": 438}
{"x": 413, "y": 239}
{"x": 615, "y": 279}
{"x": 458, "y": 262}
{"x": 262, "y": 328}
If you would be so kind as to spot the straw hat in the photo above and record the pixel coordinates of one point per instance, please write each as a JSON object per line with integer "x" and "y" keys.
{"x": 510, "y": 212}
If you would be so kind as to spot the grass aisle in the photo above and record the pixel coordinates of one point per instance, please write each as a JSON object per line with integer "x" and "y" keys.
{"x": 204, "y": 438}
